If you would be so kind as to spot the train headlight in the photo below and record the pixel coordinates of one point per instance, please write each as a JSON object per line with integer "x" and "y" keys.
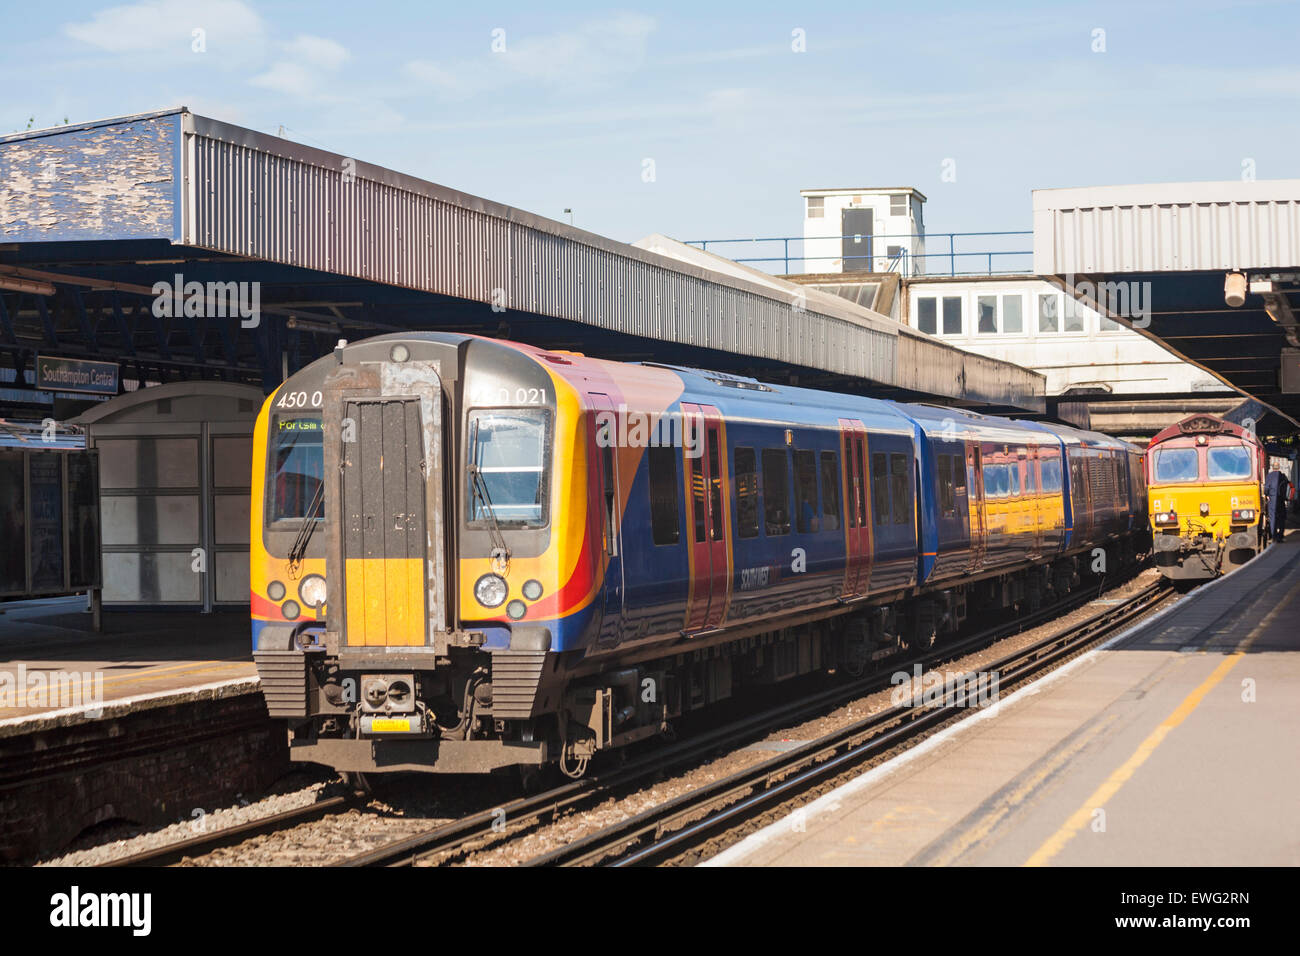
{"x": 532, "y": 589}
{"x": 516, "y": 609}
{"x": 1166, "y": 518}
{"x": 490, "y": 590}
{"x": 290, "y": 610}
{"x": 1243, "y": 514}
{"x": 312, "y": 590}
{"x": 275, "y": 591}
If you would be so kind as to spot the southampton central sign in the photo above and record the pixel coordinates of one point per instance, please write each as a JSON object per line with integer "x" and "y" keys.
{"x": 76, "y": 375}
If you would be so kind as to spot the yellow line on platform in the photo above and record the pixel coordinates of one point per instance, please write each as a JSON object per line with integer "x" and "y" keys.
{"x": 1079, "y": 819}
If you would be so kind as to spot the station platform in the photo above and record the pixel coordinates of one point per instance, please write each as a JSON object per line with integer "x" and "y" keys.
{"x": 136, "y": 653}
{"x": 1177, "y": 743}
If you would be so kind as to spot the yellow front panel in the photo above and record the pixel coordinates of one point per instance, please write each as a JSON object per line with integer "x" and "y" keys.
{"x": 385, "y": 602}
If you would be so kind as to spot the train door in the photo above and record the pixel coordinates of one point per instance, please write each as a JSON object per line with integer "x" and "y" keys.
{"x": 1034, "y": 492}
{"x": 978, "y": 508}
{"x": 708, "y": 512}
{"x": 606, "y": 490}
{"x": 857, "y": 523}
{"x": 383, "y": 493}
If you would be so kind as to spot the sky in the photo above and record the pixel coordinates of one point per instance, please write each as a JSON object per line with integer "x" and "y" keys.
{"x": 699, "y": 120}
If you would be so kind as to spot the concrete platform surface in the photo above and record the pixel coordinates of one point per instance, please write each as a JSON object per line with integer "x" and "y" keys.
{"x": 1177, "y": 743}
{"x": 51, "y": 659}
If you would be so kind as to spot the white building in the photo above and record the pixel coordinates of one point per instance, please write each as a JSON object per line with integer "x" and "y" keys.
{"x": 863, "y": 230}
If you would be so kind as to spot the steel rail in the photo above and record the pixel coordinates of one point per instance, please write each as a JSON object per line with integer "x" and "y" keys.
{"x": 736, "y": 797}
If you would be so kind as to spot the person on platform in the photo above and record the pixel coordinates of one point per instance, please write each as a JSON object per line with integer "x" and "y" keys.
{"x": 1277, "y": 492}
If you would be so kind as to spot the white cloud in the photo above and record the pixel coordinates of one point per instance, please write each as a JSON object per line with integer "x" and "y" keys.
{"x": 581, "y": 57}
{"x": 318, "y": 51}
{"x": 167, "y": 26}
{"x": 306, "y": 68}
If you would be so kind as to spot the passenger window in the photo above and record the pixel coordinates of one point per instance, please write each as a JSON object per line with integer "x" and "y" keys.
{"x": 746, "y": 493}
{"x": 959, "y": 474}
{"x": 947, "y": 497}
{"x": 1013, "y": 471}
{"x": 715, "y": 485}
{"x": 830, "y": 491}
{"x": 664, "y": 522}
{"x": 862, "y": 483}
{"x": 611, "y": 500}
{"x": 899, "y": 489}
{"x": 805, "y": 489}
{"x": 880, "y": 488}
{"x": 776, "y": 492}
{"x": 699, "y": 518}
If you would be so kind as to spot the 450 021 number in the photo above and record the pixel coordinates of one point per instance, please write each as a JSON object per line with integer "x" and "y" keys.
{"x": 299, "y": 400}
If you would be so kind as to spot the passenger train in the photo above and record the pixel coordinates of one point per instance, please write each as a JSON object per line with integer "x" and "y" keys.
{"x": 471, "y": 554}
{"x": 1206, "y": 487}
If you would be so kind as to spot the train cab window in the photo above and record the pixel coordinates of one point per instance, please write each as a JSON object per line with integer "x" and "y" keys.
{"x": 947, "y": 491}
{"x": 1013, "y": 479}
{"x": 776, "y": 491}
{"x": 880, "y": 487}
{"x": 899, "y": 489}
{"x": 1227, "y": 462}
{"x": 1176, "y": 464}
{"x": 746, "y": 493}
{"x": 298, "y": 459}
{"x": 664, "y": 522}
{"x": 508, "y": 449}
{"x": 830, "y": 491}
{"x": 805, "y": 490}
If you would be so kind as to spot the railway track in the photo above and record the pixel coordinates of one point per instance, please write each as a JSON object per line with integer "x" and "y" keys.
{"x": 450, "y": 842}
{"x": 205, "y": 843}
{"x": 690, "y": 821}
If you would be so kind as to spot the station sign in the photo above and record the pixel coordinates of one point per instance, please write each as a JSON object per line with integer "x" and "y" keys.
{"x": 1291, "y": 371}
{"x": 76, "y": 375}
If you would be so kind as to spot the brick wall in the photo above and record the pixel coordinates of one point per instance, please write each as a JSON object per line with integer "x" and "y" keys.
{"x": 151, "y": 762}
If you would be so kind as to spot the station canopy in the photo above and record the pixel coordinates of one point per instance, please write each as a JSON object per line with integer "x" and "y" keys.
{"x": 1210, "y": 270}
{"x": 182, "y": 247}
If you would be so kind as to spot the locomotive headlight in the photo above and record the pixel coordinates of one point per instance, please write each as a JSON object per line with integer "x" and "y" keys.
{"x": 275, "y": 590}
{"x": 312, "y": 590}
{"x": 491, "y": 590}
{"x": 532, "y": 589}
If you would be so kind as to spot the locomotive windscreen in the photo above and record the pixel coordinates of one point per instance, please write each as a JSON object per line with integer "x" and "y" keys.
{"x": 1226, "y": 463}
{"x": 298, "y": 459}
{"x": 1176, "y": 464}
{"x": 509, "y": 448}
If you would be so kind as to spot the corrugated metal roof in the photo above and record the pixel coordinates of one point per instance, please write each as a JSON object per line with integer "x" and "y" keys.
{"x": 1167, "y": 227}
{"x": 213, "y": 186}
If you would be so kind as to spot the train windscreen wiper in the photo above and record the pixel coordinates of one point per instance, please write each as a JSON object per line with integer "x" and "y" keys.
{"x": 479, "y": 485}
{"x": 299, "y": 549}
